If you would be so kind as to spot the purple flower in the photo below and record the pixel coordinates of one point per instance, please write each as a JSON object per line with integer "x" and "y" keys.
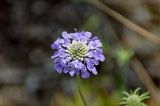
{"x": 77, "y": 53}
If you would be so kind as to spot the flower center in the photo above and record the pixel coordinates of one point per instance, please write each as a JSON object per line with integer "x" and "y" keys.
{"x": 133, "y": 100}
{"x": 77, "y": 50}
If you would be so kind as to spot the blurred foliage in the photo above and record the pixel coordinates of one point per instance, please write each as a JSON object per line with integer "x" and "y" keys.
{"x": 123, "y": 55}
{"x": 92, "y": 23}
{"x": 27, "y": 29}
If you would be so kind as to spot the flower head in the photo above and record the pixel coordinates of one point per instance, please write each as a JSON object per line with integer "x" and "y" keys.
{"x": 77, "y": 53}
{"x": 134, "y": 98}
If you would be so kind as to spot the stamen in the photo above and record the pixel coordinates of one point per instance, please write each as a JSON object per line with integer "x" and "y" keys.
{"x": 77, "y": 50}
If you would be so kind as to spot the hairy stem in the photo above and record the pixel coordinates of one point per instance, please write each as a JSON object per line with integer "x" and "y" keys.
{"x": 79, "y": 91}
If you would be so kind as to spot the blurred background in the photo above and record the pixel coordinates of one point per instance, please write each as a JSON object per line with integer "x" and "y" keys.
{"x": 28, "y": 28}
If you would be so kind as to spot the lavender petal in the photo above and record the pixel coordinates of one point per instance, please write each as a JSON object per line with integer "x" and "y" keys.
{"x": 58, "y": 67}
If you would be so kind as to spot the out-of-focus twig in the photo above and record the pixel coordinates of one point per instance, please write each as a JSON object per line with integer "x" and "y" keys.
{"x": 145, "y": 79}
{"x": 131, "y": 25}
{"x": 135, "y": 62}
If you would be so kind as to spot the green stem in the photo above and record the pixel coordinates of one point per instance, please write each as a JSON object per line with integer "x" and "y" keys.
{"x": 79, "y": 91}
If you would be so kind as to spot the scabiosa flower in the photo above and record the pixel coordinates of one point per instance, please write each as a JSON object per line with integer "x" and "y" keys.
{"x": 134, "y": 98}
{"x": 77, "y": 53}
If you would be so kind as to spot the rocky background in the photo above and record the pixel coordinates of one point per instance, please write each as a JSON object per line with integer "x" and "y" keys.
{"x": 28, "y": 28}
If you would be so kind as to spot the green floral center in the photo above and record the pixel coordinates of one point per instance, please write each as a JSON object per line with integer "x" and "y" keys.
{"x": 134, "y": 100}
{"x": 77, "y": 50}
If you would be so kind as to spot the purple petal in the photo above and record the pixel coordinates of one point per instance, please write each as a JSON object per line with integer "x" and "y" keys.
{"x": 73, "y": 36}
{"x": 85, "y": 74}
{"x": 78, "y": 65}
{"x": 59, "y": 41}
{"x": 63, "y": 61}
{"x": 65, "y": 35}
{"x": 72, "y": 69}
{"x": 94, "y": 38}
{"x": 94, "y": 71}
{"x": 98, "y": 55}
{"x": 66, "y": 43}
{"x": 58, "y": 67}
{"x": 57, "y": 60}
{"x": 90, "y": 54}
{"x": 68, "y": 58}
{"x": 72, "y": 72}
{"x": 102, "y": 58}
{"x": 79, "y": 36}
{"x": 94, "y": 61}
{"x": 95, "y": 44}
{"x": 87, "y": 34}
{"x": 91, "y": 67}
{"x": 77, "y": 71}
{"x": 89, "y": 64}
{"x": 66, "y": 70}
{"x": 61, "y": 50}
{"x": 55, "y": 55}
{"x": 55, "y": 46}
{"x": 84, "y": 37}
{"x": 62, "y": 54}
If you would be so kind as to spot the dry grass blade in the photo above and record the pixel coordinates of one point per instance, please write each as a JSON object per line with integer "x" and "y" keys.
{"x": 145, "y": 79}
{"x": 131, "y": 25}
